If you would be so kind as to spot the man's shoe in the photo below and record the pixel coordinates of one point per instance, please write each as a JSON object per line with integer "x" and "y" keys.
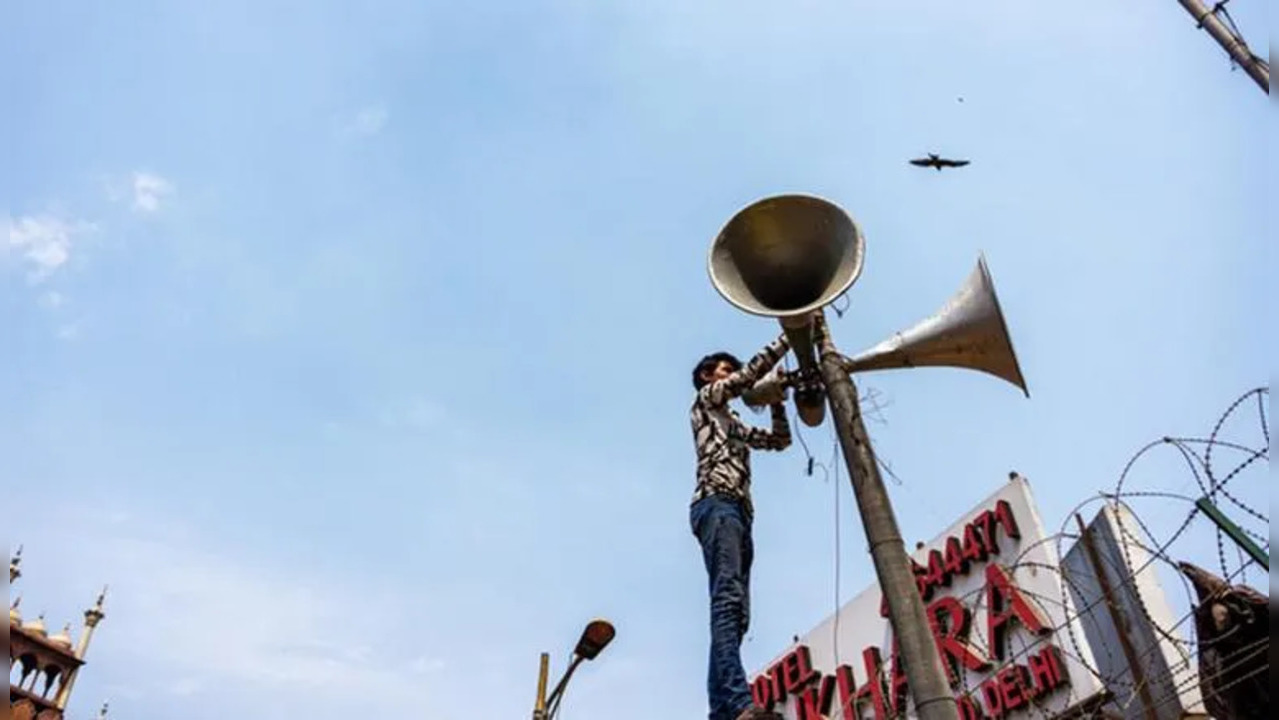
{"x": 755, "y": 712}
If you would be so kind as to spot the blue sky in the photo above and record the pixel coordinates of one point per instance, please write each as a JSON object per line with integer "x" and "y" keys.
{"x": 350, "y": 342}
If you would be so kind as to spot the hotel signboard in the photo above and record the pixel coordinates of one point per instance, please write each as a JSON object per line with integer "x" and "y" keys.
{"x": 998, "y": 609}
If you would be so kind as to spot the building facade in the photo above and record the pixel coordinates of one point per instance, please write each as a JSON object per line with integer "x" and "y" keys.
{"x": 43, "y": 667}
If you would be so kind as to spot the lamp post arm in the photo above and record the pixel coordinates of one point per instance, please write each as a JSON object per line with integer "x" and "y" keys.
{"x": 553, "y": 700}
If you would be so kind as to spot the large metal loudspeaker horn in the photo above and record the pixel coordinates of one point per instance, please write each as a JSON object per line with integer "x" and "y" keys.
{"x": 787, "y": 257}
{"x": 968, "y": 332}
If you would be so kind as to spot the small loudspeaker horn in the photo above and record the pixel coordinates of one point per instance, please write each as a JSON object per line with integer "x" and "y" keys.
{"x": 968, "y": 332}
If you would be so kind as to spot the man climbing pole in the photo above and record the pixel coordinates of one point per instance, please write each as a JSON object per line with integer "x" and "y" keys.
{"x": 721, "y": 514}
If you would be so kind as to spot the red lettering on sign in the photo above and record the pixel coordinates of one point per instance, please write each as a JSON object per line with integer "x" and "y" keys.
{"x": 1006, "y": 602}
{"x": 1053, "y": 656}
{"x": 786, "y": 677}
{"x": 954, "y": 559}
{"x": 993, "y": 698}
{"x": 897, "y": 683}
{"x": 974, "y": 548}
{"x": 969, "y": 709}
{"x": 986, "y": 522}
{"x": 1011, "y": 686}
{"x": 935, "y": 576}
{"x": 790, "y": 673}
{"x": 955, "y": 562}
{"x": 1041, "y": 674}
{"x": 847, "y": 686}
{"x": 1010, "y": 690}
{"x": 952, "y": 623}
{"x": 775, "y": 679}
{"x": 761, "y": 693}
{"x": 874, "y": 687}
{"x": 797, "y": 670}
{"x": 814, "y": 703}
{"x": 1004, "y": 517}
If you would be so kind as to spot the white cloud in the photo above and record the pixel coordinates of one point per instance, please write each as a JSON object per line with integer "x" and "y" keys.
{"x": 44, "y": 242}
{"x": 368, "y": 121}
{"x": 53, "y": 300}
{"x": 148, "y": 190}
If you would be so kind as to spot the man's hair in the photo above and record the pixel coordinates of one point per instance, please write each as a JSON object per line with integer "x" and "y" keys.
{"x": 710, "y": 362}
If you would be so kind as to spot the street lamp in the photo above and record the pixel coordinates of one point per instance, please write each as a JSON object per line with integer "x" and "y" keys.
{"x": 595, "y": 637}
{"x": 788, "y": 257}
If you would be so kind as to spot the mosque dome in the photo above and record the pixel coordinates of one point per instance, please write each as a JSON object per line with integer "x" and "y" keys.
{"x": 62, "y": 639}
{"x": 36, "y": 627}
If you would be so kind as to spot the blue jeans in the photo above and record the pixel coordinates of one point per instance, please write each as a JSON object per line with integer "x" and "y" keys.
{"x": 724, "y": 531}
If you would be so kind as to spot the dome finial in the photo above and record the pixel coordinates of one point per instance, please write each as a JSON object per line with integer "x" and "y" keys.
{"x": 15, "y": 572}
{"x": 94, "y": 615}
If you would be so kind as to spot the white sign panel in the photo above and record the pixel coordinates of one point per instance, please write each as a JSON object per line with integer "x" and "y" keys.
{"x": 1168, "y": 687}
{"x": 995, "y": 599}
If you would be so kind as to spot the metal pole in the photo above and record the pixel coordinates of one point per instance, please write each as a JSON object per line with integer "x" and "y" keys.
{"x": 1234, "y": 46}
{"x": 924, "y": 672}
{"x": 1119, "y": 621}
{"x": 539, "y": 706}
{"x": 1233, "y": 531}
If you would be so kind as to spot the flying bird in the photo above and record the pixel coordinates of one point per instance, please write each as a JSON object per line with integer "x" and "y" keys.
{"x": 934, "y": 161}
{"x": 1233, "y": 629}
